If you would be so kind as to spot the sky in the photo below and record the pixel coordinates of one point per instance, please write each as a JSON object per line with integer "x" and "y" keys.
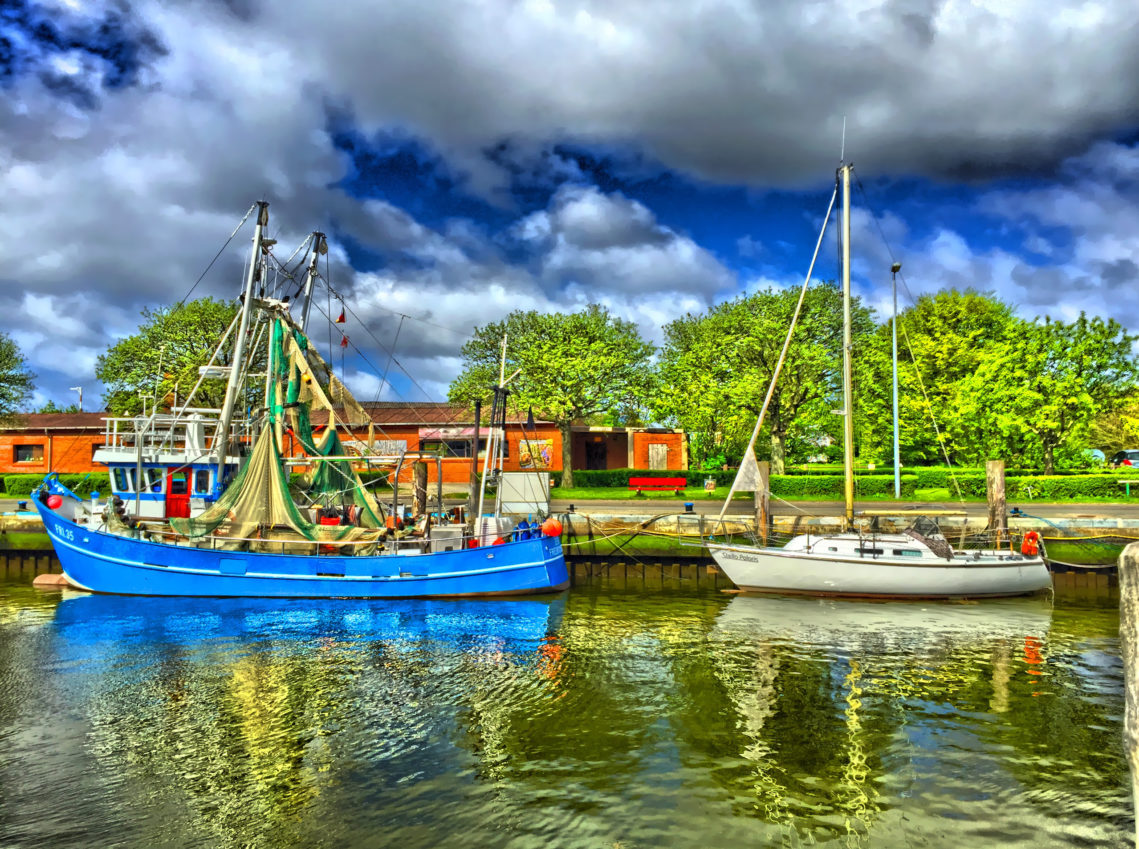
{"x": 467, "y": 159}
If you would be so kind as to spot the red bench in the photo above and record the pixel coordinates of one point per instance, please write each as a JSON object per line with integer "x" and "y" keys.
{"x": 658, "y": 484}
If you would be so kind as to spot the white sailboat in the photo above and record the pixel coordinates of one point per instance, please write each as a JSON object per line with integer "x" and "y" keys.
{"x": 911, "y": 564}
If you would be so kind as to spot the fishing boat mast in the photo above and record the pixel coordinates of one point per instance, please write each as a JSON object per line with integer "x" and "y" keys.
{"x": 221, "y": 436}
{"x": 319, "y": 246}
{"x": 847, "y": 394}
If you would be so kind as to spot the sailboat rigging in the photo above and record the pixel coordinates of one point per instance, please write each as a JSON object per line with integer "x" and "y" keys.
{"x": 916, "y": 563}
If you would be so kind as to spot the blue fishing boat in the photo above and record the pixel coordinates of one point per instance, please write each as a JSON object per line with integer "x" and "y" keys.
{"x": 202, "y": 503}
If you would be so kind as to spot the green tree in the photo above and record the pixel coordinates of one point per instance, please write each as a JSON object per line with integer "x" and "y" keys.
{"x": 715, "y": 369}
{"x": 16, "y": 380}
{"x": 170, "y": 345}
{"x": 1043, "y": 387}
{"x": 571, "y": 366}
{"x": 52, "y": 407}
{"x": 942, "y": 341}
{"x": 1116, "y": 428}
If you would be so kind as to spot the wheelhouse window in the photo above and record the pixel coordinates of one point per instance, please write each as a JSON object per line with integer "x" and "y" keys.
{"x": 120, "y": 480}
{"x": 153, "y": 480}
{"x": 28, "y": 453}
{"x": 178, "y": 483}
{"x": 201, "y": 482}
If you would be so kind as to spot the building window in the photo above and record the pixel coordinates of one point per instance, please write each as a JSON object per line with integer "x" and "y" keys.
{"x": 29, "y": 453}
{"x": 451, "y": 447}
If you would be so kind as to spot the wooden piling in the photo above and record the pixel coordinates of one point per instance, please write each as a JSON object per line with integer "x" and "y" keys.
{"x": 995, "y": 493}
{"x": 1129, "y": 642}
{"x": 763, "y": 501}
{"x": 420, "y": 478}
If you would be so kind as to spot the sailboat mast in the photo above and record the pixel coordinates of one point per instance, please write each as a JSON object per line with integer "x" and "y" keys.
{"x": 221, "y": 436}
{"x": 847, "y": 394}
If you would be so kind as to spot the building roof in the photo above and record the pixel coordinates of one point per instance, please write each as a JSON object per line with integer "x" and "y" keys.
{"x": 427, "y": 414}
{"x": 56, "y": 421}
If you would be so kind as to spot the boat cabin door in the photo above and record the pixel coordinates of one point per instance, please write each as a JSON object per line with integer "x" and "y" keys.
{"x": 177, "y": 494}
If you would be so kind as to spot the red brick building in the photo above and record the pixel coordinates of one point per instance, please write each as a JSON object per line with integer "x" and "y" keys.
{"x": 38, "y": 443}
{"x": 65, "y": 442}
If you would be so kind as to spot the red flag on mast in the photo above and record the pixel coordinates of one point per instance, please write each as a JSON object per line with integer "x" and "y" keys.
{"x": 343, "y": 341}
{"x": 340, "y": 320}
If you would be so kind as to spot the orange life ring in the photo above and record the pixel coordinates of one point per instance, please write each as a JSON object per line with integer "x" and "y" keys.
{"x": 1031, "y": 544}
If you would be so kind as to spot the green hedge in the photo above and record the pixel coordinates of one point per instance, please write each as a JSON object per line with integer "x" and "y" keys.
{"x": 21, "y": 485}
{"x": 620, "y": 477}
{"x": 1047, "y": 487}
{"x": 782, "y": 485}
{"x": 791, "y": 486}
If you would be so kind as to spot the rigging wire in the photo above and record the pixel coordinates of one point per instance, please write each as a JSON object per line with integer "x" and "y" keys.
{"x": 909, "y": 347}
{"x": 201, "y": 276}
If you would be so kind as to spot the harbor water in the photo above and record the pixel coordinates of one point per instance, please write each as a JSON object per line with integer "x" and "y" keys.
{"x": 613, "y": 715}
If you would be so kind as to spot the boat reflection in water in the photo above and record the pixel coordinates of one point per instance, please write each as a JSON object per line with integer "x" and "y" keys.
{"x": 894, "y": 677}
{"x": 93, "y": 619}
{"x": 253, "y": 721}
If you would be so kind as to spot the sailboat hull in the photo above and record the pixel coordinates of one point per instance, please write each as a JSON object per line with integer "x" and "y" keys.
{"x": 775, "y": 571}
{"x": 106, "y": 563}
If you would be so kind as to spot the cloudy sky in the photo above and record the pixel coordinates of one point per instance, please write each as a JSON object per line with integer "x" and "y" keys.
{"x": 470, "y": 158}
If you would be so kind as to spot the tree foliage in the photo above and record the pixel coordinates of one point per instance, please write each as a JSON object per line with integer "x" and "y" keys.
{"x": 715, "y": 370}
{"x": 942, "y": 341}
{"x": 571, "y": 366}
{"x": 1040, "y": 389}
{"x": 165, "y": 353}
{"x": 17, "y": 381}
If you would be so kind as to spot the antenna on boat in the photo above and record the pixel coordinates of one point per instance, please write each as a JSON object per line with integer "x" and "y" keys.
{"x": 842, "y": 147}
{"x": 221, "y": 436}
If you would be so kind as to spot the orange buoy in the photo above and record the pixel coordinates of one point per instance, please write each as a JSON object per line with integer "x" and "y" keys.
{"x": 54, "y": 501}
{"x": 552, "y": 527}
{"x": 1031, "y": 544}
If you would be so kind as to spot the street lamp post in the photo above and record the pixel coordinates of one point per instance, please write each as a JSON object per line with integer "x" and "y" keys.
{"x": 78, "y": 389}
{"x": 894, "y": 269}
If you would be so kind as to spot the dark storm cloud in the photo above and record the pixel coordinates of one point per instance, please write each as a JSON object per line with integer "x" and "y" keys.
{"x": 204, "y": 107}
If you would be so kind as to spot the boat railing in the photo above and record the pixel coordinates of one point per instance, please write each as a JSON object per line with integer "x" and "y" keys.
{"x": 195, "y": 433}
{"x": 694, "y": 530}
{"x": 386, "y": 544}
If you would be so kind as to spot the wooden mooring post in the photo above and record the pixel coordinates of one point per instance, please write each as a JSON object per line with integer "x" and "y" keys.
{"x": 419, "y": 475}
{"x": 763, "y": 500}
{"x": 1129, "y": 642}
{"x": 995, "y": 493}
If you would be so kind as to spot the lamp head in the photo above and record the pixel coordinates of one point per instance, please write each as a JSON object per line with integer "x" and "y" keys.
{"x": 896, "y": 267}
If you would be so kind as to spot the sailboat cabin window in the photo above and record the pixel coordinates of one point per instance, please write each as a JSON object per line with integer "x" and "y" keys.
{"x": 907, "y": 552}
{"x": 202, "y": 482}
{"x": 870, "y": 551}
{"x": 29, "y": 454}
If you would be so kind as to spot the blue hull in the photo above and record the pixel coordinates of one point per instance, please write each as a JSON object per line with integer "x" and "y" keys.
{"x": 105, "y": 563}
